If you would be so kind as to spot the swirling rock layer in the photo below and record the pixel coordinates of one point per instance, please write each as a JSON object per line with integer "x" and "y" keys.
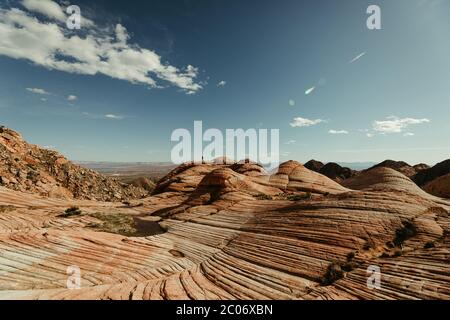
{"x": 233, "y": 232}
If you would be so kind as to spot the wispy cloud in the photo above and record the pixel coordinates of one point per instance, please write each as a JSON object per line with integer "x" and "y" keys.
{"x": 408, "y": 134}
{"x": 290, "y": 142}
{"x": 222, "y": 83}
{"x": 72, "y": 97}
{"x": 291, "y": 102}
{"x": 359, "y": 56}
{"x": 310, "y": 90}
{"x": 302, "y": 122}
{"x": 337, "y": 131}
{"x": 99, "y": 51}
{"x": 37, "y": 90}
{"x": 113, "y": 116}
{"x": 393, "y": 124}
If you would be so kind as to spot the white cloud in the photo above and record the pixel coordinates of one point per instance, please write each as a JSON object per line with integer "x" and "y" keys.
{"x": 53, "y": 46}
{"x": 369, "y": 135}
{"x": 290, "y": 142}
{"x": 359, "y": 56}
{"x": 302, "y": 122}
{"x": 113, "y": 116}
{"x": 292, "y": 102}
{"x": 408, "y": 134}
{"x": 48, "y": 8}
{"x": 72, "y": 97}
{"x": 222, "y": 83}
{"x": 395, "y": 125}
{"x": 310, "y": 90}
{"x": 37, "y": 91}
{"x": 338, "y": 131}
{"x": 43, "y": 99}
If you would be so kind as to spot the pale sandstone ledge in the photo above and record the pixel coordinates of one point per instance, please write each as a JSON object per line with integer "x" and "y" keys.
{"x": 232, "y": 232}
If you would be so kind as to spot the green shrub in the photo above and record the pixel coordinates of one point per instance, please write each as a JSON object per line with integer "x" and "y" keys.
{"x": 70, "y": 212}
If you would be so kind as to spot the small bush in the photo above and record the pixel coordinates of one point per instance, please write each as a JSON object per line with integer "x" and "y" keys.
{"x": 349, "y": 266}
{"x": 398, "y": 253}
{"x": 334, "y": 272}
{"x": 429, "y": 245}
{"x": 351, "y": 256}
{"x": 72, "y": 211}
{"x": 7, "y": 208}
{"x": 299, "y": 197}
{"x": 407, "y": 231}
{"x": 368, "y": 245}
{"x": 263, "y": 196}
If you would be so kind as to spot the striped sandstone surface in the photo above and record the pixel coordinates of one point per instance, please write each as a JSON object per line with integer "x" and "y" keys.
{"x": 231, "y": 231}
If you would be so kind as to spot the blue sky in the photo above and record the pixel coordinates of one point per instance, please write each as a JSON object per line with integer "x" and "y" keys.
{"x": 231, "y": 64}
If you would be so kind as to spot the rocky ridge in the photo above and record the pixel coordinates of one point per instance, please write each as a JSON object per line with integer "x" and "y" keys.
{"x": 30, "y": 168}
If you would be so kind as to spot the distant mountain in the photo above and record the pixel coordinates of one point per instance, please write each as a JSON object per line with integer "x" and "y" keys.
{"x": 357, "y": 165}
{"x": 399, "y": 166}
{"x": 314, "y": 165}
{"x": 332, "y": 170}
{"x": 425, "y": 176}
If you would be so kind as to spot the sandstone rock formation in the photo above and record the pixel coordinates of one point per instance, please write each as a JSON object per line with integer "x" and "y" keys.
{"x": 336, "y": 172}
{"x": 425, "y": 176}
{"x": 29, "y": 168}
{"x": 331, "y": 170}
{"x": 439, "y": 187}
{"x": 232, "y": 232}
{"x": 314, "y": 165}
{"x": 143, "y": 183}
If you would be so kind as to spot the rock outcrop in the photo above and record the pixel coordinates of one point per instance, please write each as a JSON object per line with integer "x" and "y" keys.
{"x": 439, "y": 187}
{"x": 336, "y": 172}
{"x": 399, "y": 166}
{"x": 314, "y": 165}
{"x": 230, "y": 231}
{"x": 425, "y": 176}
{"x": 30, "y": 168}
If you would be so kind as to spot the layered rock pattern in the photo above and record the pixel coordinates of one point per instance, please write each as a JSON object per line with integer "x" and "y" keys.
{"x": 233, "y": 232}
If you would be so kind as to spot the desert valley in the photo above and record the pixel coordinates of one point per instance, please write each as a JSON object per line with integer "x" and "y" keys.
{"x": 221, "y": 230}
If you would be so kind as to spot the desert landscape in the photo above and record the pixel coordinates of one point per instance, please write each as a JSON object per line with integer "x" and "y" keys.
{"x": 221, "y": 231}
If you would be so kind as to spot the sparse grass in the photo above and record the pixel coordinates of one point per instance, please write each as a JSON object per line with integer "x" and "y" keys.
{"x": 118, "y": 223}
{"x": 6, "y": 208}
{"x": 263, "y": 196}
{"x": 70, "y": 212}
{"x": 299, "y": 197}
